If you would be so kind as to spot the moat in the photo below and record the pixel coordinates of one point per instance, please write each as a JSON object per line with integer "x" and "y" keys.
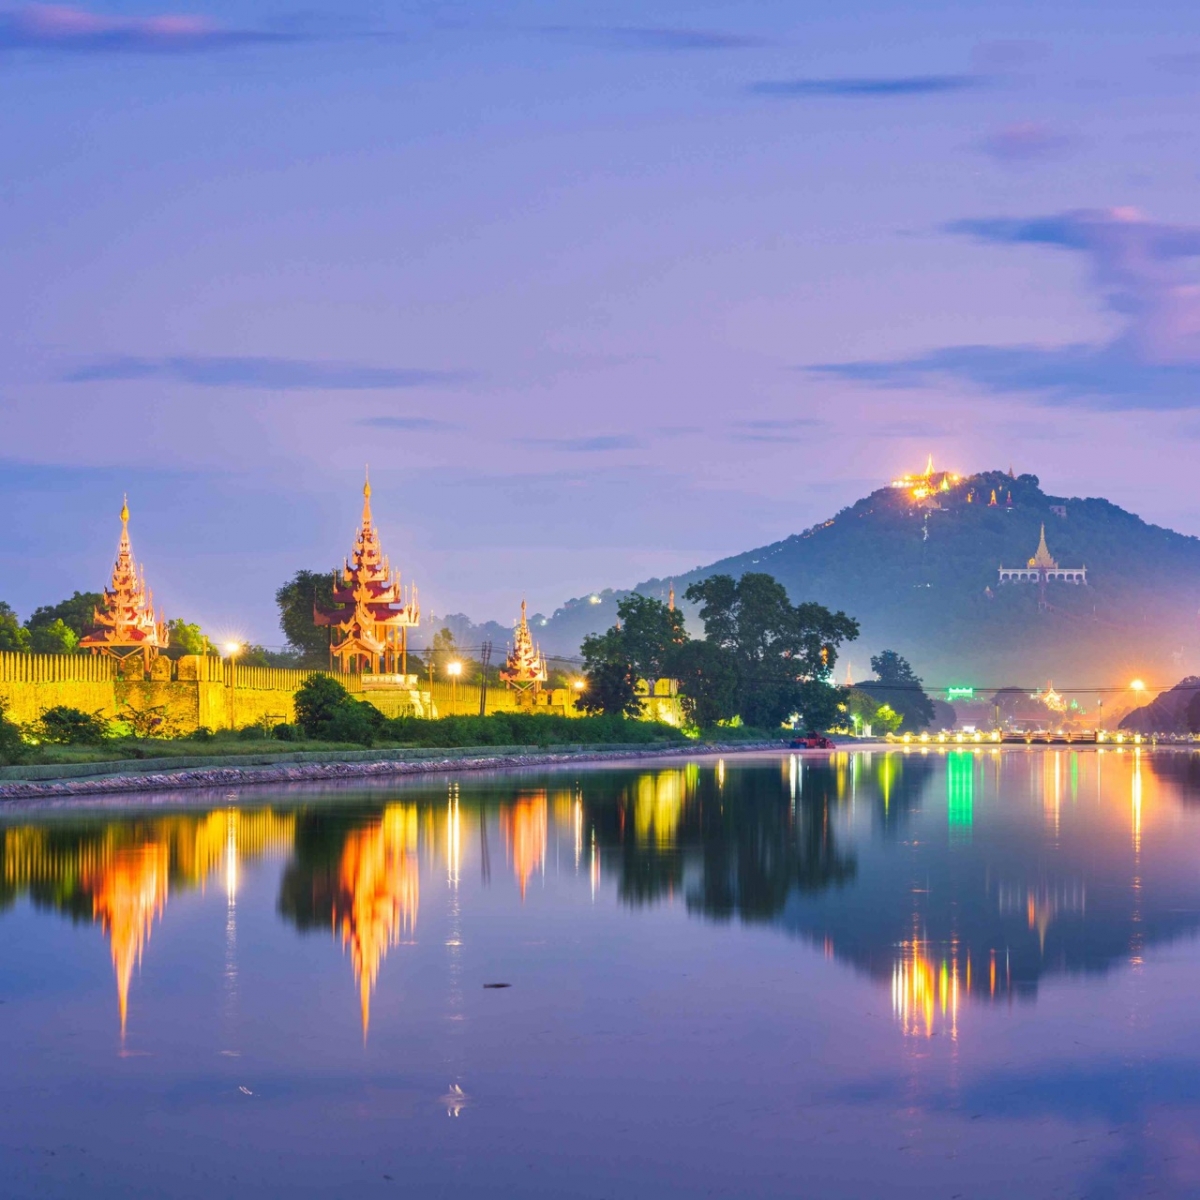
{"x": 912, "y": 972}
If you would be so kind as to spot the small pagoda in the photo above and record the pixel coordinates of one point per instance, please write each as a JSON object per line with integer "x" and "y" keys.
{"x": 525, "y": 667}
{"x": 371, "y": 612}
{"x": 1041, "y": 568}
{"x": 124, "y": 624}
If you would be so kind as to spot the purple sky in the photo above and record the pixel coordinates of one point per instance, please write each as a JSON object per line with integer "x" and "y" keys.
{"x": 600, "y": 291}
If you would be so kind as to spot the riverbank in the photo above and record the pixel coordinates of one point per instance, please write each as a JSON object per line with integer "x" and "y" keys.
{"x": 97, "y": 779}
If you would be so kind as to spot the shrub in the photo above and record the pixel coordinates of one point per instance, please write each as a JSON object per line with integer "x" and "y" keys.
{"x": 286, "y": 733}
{"x": 66, "y": 726}
{"x": 353, "y": 722}
{"x": 318, "y": 698}
{"x": 202, "y": 733}
{"x": 251, "y": 733}
{"x": 12, "y": 745}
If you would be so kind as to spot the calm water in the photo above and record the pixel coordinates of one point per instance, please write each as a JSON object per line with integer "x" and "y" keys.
{"x": 963, "y": 974}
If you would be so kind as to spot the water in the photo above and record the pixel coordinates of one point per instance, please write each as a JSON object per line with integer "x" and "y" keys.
{"x": 905, "y": 974}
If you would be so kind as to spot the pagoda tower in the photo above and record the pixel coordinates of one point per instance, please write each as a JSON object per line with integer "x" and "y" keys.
{"x": 525, "y": 667}
{"x": 371, "y": 615}
{"x": 1041, "y": 568}
{"x": 124, "y": 624}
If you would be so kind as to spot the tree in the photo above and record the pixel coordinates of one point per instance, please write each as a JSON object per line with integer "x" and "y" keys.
{"x": 186, "y": 638}
{"x": 708, "y": 682}
{"x": 68, "y": 726}
{"x": 55, "y": 638}
{"x": 327, "y": 712}
{"x": 897, "y": 685}
{"x": 651, "y": 633}
{"x": 77, "y": 613}
{"x": 12, "y": 635}
{"x": 296, "y": 600}
{"x": 13, "y": 748}
{"x": 784, "y": 653}
{"x": 865, "y": 709}
{"x": 611, "y": 678}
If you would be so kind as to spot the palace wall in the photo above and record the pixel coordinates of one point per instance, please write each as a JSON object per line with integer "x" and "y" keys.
{"x": 192, "y": 691}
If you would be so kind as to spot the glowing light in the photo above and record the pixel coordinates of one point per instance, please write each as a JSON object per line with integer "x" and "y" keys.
{"x": 593, "y": 599}
{"x": 454, "y": 668}
{"x": 1137, "y": 685}
{"x": 579, "y": 685}
{"x": 232, "y": 648}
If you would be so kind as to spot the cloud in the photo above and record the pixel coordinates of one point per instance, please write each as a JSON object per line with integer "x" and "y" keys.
{"x": 1144, "y": 271}
{"x": 53, "y": 27}
{"x": 656, "y": 38}
{"x": 587, "y": 445}
{"x": 271, "y": 374}
{"x": 772, "y": 429}
{"x": 411, "y": 424}
{"x": 1025, "y": 142}
{"x": 878, "y": 89}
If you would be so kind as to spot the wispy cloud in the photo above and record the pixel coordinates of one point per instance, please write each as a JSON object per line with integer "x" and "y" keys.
{"x": 1144, "y": 271}
{"x": 271, "y": 374}
{"x": 1025, "y": 142}
{"x": 407, "y": 424}
{"x": 587, "y": 445}
{"x": 772, "y": 429}
{"x": 53, "y": 27}
{"x": 655, "y": 38}
{"x": 865, "y": 88}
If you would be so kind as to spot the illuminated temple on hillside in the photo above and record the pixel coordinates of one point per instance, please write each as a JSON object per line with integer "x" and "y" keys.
{"x": 525, "y": 667}
{"x": 124, "y": 624}
{"x": 928, "y": 484}
{"x": 372, "y": 614}
{"x": 1041, "y": 567}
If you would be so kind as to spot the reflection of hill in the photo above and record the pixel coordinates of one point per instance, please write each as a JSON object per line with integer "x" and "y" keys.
{"x": 119, "y": 872}
{"x": 1002, "y": 874}
{"x": 359, "y": 878}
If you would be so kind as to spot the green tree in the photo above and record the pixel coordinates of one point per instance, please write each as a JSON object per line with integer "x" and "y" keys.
{"x": 610, "y": 676}
{"x": 186, "y": 638}
{"x": 12, "y": 635}
{"x": 898, "y": 685}
{"x": 651, "y": 633}
{"x": 784, "y": 653}
{"x": 55, "y": 638}
{"x": 869, "y": 710}
{"x": 13, "y": 748}
{"x": 296, "y": 600}
{"x": 708, "y": 682}
{"x": 76, "y": 614}
{"x": 327, "y": 712}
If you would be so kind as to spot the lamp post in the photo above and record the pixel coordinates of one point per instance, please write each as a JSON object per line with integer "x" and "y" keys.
{"x": 454, "y": 670}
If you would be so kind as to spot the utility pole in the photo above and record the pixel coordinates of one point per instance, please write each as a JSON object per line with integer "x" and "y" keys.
{"x": 485, "y": 656}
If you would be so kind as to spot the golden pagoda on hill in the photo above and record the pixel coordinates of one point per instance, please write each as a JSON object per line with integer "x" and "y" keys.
{"x": 124, "y": 623}
{"x": 525, "y": 667}
{"x": 371, "y": 614}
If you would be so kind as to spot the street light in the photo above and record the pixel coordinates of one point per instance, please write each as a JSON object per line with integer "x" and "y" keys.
{"x": 454, "y": 670}
{"x": 231, "y": 651}
{"x": 1137, "y": 686}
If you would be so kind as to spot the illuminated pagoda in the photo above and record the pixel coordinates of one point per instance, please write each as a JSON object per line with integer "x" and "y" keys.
{"x": 124, "y": 624}
{"x": 924, "y": 488}
{"x": 1041, "y": 568}
{"x": 371, "y": 615}
{"x": 525, "y": 667}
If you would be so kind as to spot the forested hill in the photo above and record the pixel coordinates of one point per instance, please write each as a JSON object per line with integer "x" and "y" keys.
{"x": 922, "y": 577}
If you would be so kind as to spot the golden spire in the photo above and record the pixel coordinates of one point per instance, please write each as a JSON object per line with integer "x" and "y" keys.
{"x": 671, "y": 597}
{"x": 1042, "y": 559}
{"x": 524, "y": 667}
{"x": 929, "y": 467}
{"x": 125, "y": 509}
{"x": 366, "y": 497}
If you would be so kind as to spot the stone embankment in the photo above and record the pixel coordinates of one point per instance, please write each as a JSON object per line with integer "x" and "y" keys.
{"x": 97, "y": 779}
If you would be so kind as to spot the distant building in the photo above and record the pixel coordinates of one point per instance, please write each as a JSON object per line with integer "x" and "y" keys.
{"x": 1059, "y": 510}
{"x": 1040, "y": 568}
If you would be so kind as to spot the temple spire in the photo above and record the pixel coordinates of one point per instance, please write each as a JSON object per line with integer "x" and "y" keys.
{"x": 524, "y": 668}
{"x": 671, "y": 597}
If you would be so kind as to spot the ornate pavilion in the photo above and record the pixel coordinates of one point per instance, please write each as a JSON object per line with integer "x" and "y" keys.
{"x": 371, "y": 613}
{"x": 1042, "y": 567}
{"x": 525, "y": 667}
{"x": 124, "y": 624}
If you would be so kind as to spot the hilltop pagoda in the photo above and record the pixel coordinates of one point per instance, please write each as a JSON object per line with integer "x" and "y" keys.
{"x": 372, "y": 614}
{"x": 124, "y": 624}
{"x": 1041, "y": 568}
{"x": 525, "y": 668}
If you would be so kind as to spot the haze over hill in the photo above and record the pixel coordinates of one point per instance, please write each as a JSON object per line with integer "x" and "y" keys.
{"x": 920, "y": 572}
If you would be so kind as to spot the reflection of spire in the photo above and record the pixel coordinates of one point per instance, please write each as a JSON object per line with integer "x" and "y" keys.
{"x": 524, "y": 826}
{"x": 921, "y": 988}
{"x": 128, "y": 894}
{"x": 378, "y": 894}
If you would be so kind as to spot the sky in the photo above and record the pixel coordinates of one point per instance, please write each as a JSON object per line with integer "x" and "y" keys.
{"x": 599, "y": 291}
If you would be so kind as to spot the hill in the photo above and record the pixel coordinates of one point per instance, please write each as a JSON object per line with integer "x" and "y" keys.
{"x": 918, "y": 566}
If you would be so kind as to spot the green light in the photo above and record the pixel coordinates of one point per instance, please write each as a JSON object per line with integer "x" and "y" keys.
{"x": 960, "y": 693}
{"x": 960, "y": 788}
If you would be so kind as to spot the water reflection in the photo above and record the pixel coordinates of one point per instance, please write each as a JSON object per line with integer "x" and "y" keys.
{"x": 948, "y": 876}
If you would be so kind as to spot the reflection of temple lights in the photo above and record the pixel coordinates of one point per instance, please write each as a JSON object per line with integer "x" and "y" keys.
{"x": 578, "y": 831}
{"x": 524, "y": 825}
{"x": 923, "y": 990}
{"x": 720, "y": 772}
{"x": 1136, "y": 799}
{"x": 231, "y": 861}
{"x": 453, "y": 838}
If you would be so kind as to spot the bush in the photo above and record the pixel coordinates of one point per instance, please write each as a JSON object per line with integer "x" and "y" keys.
{"x": 318, "y": 699}
{"x": 12, "y": 745}
{"x": 202, "y": 734}
{"x": 524, "y": 729}
{"x": 286, "y": 733}
{"x": 66, "y": 726}
{"x": 353, "y": 722}
{"x": 251, "y": 733}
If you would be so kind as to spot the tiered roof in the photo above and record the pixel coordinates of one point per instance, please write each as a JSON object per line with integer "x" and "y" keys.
{"x": 124, "y": 624}
{"x": 525, "y": 667}
{"x": 371, "y": 612}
